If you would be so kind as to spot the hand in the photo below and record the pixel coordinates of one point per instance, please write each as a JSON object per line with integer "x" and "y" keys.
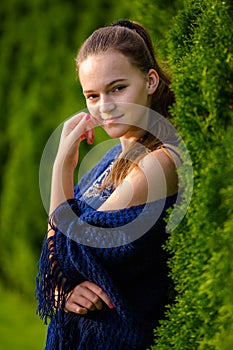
{"x": 87, "y": 296}
{"x": 75, "y": 129}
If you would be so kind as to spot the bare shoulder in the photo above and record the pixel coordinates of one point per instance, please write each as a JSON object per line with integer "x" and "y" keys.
{"x": 154, "y": 178}
{"x": 159, "y": 158}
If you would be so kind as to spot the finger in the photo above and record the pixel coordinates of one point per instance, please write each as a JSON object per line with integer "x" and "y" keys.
{"x": 72, "y": 122}
{"x": 101, "y": 294}
{"x": 91, "y": 304}
{"x": 73, "y": 307}
{"x": 88, "y": 299}
{"x": 84, "y": 297}
{"x": 75, "y": 119}
{"x": 90, "y": 136}
{"x": 83, "y": 136}
{"x": 83, "y": 127}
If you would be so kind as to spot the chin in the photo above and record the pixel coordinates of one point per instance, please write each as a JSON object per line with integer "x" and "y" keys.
{"x": 114, "y": 135}
{"x": 114, "y": 131}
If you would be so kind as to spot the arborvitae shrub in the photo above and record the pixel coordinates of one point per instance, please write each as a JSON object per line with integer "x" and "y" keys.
{"x": 39, "y": 90}
{"x": 201, "y": 60}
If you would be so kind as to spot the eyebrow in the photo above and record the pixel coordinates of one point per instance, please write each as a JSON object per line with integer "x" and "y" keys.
{"x": 108, "y": 85}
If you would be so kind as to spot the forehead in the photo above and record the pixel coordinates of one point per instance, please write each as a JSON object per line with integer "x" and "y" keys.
{"x": 105, "y": 67}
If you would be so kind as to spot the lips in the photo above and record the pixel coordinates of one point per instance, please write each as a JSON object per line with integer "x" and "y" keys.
{"x": 111, "y": 119}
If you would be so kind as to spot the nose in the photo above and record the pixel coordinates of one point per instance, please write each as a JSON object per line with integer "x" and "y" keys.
{"x": 106, "y": 106}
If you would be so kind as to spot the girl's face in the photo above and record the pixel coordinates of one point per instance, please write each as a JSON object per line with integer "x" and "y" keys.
{"x": 113, "y": 89}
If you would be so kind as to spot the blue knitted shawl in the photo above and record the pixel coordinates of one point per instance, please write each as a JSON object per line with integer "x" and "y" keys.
{"x": 115, "y": 250}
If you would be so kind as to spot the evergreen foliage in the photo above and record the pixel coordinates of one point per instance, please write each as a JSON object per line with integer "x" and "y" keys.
{"x": 39, "y": 40}
{"x": 39, "y": 90}
{"x": 157, "y": 16}
{"x": 201, "y": 61}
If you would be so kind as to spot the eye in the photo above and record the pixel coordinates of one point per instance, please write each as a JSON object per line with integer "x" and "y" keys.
{"x": 92, "y": 97}
{"x": 118, "y": 88}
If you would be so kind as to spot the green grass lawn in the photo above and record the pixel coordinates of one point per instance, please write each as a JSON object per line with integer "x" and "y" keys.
{"x": 20, "y": 327}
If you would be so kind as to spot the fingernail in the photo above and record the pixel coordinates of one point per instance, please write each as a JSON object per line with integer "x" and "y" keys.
{"x": 111, "y": 306}
{"x": 88, "y": 116}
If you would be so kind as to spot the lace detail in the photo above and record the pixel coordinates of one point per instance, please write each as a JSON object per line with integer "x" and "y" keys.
{"x": 94, "y": 193}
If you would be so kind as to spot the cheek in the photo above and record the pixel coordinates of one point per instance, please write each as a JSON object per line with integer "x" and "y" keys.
{"x": 93, "y": 110}
{"x": 143, "y": 95}
{"x": 138, "y": 96}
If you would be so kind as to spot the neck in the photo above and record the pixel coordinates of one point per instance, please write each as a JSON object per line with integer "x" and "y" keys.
{"x": 127, "y": 141}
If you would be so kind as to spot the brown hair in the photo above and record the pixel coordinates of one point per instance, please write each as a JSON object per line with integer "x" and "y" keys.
{"x": 133, "y": 41}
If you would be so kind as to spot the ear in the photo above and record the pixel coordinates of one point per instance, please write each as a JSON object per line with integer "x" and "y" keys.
{"x": 152, "y": 81}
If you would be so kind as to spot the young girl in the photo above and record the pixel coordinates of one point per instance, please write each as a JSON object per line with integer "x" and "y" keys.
{"x": 103, "y": 279}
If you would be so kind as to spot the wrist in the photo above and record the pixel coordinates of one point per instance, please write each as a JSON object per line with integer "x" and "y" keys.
{"x": 64, "y": 165}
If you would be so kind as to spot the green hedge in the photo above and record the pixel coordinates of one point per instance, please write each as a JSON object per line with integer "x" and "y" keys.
{"x": 38, "y": 44}
{"x": 201, "y": 59}
{"x": 38, "y": 90}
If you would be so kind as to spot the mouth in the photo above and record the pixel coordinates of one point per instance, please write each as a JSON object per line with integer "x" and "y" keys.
{"x": 111, "y": 120}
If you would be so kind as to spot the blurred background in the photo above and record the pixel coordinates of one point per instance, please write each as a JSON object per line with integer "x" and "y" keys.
{"x": 39, "y": 40}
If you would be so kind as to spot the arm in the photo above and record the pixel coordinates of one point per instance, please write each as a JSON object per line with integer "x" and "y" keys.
{"x": 86, "y": 296}
{"x": 75, "y": 129}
